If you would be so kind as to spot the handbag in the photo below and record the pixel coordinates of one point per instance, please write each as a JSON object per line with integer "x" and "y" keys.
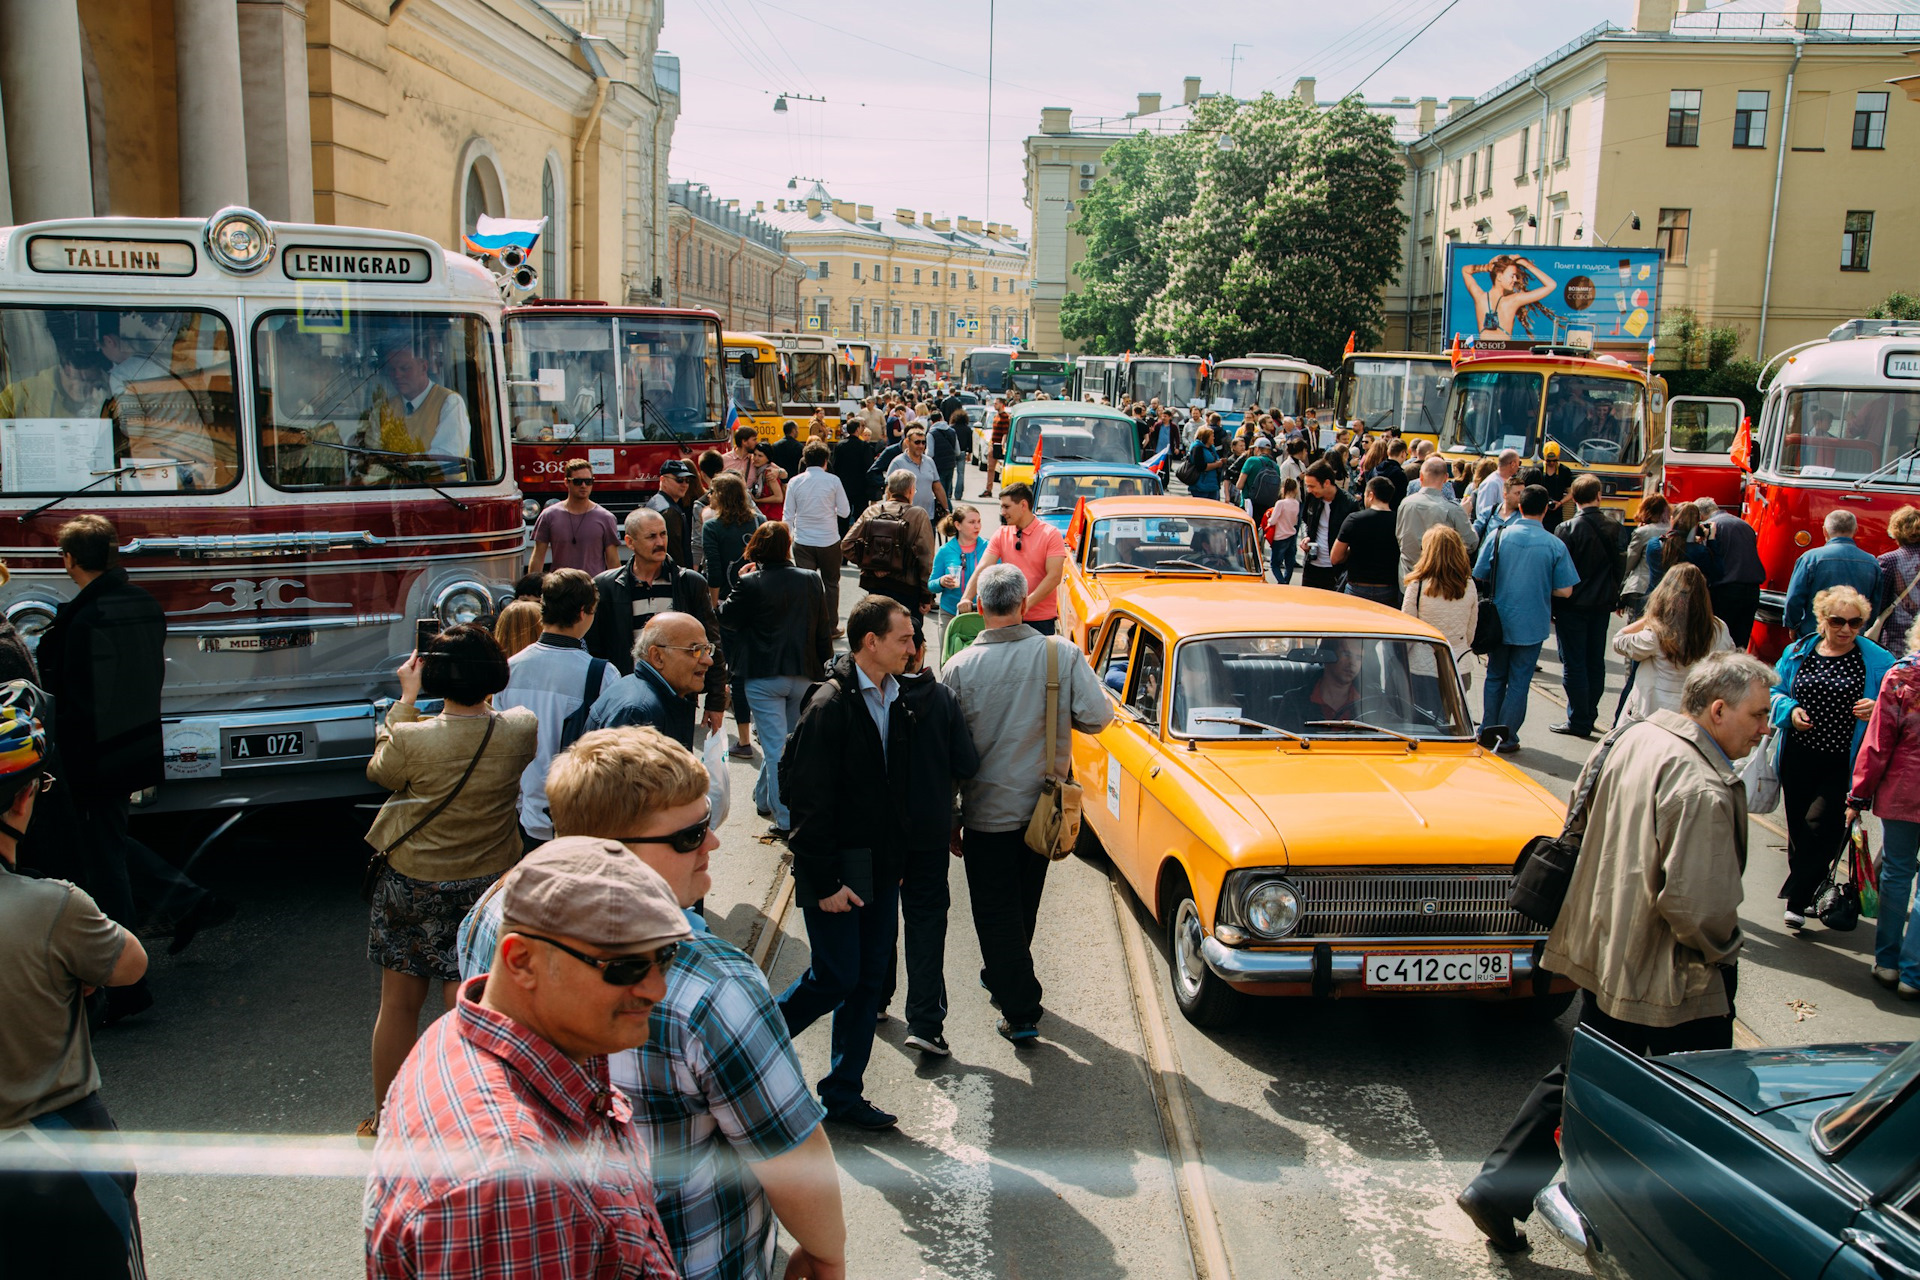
{"x": 1880, "y": 623}
{"x": 1054, "y": 828}
{"x": 379, "y": 861}
{"x": 1761, "y": 772}
{"x": 1488, "y": 634}
{"x": 1837, "y": 903}
{"x": 1544, "y": 869}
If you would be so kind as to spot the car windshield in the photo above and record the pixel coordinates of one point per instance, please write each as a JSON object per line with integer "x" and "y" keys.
{"x": 1850, "y": 433}
{"x": 1836, "y": 1128}
{"x": 1490, "y": 411}
{"x": 810, "y": 378}
{"x": 1334, "y": 686}
{"x": 1598, "y": 420}
{"x": 1172, "y": 384}
{"x": 116, "y": 401}
{"x": 375, "y": 400}
{"x": 1062, "y": 492}
{"x": 1147, "y": 542}
{"x": 1114, "y": 439}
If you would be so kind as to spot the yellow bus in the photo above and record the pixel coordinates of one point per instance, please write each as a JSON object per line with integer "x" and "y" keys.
{"x": 753, "y": 383}
{"x": 809, "y": 380}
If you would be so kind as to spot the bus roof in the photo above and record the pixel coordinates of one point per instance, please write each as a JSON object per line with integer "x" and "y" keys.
{"x": 1268, "y": 362}
{"x": 798, "y": 341}
{"x": 750, "y": 342}
{"x": 1537, "y": 362}
{"x": 1431, "y": 357}
{"x": 575, "y": 306}
{"x": 1852, "y": 362}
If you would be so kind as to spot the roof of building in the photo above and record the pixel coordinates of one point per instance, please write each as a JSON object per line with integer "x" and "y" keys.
{"x": 791, "y": 217}
{"x": 697, "y": 200}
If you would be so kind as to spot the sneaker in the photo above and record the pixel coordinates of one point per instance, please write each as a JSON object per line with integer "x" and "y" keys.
{"x": 1888, "y": 978}
{"x": 1567, "y": 729}
{"x": 1795, "y": 920}
{"x": 1018, "y": 1032}
{"x": 1906, "y": 992}
{"x": 862, "y": 1114}
{"x": 935, "y": 1045}
{"x": 739, "y": 751}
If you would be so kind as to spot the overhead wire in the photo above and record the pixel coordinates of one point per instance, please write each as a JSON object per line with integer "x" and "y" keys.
{"x": 1403, "y": 48}
{"x": 1317, "y": 58}
{"x": 1369, "y": 49}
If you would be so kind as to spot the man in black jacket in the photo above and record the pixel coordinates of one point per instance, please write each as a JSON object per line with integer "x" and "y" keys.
{"x": 852, "y": 457}
{"x": 1324, "y": 508}
{"x": 646, "y": 585}
{"x": 1580, "y": 620}
{"x": 846, "y": 773}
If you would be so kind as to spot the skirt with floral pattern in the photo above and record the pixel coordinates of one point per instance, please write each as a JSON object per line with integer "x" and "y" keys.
{"x": 416, "y": 922}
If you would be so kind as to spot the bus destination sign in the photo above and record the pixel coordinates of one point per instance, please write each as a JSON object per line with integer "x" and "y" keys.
{"x": 370, "y": 266}
{"x": 65, "y": 254}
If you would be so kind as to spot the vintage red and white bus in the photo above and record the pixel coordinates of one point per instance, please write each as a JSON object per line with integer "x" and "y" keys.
{"x": 1840, "y": 427}
{"x": 625, "y": 388}
{"x": 297, "y": 431}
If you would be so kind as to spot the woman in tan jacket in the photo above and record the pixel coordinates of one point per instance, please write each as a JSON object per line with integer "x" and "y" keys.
{"x": 435, "y": 874}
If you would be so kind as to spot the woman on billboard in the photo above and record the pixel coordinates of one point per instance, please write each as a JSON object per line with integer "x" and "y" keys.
{"x": 1513, "y": 293}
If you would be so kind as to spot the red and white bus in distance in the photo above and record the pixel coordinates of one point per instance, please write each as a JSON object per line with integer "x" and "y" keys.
{"x": 625, "y": 388}
{"x": 1840, "y": 427}
{"x": 297, "y": 431}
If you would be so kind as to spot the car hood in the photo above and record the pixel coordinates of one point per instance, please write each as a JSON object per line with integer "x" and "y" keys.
{"x": 1439, "y": 805}
{"x": 1759, "y": 1081}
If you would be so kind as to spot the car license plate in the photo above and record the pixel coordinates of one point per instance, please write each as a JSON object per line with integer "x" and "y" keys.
{"x": 269, "y": 642}
{"x": 275, "y": 744}
{"x": 1446, "y": 969}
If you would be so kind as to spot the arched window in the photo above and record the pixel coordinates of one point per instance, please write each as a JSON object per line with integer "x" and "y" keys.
{"x": 476, "y": 203}
{"x": 481, "y": 190}
{"x": 549, "y": 268}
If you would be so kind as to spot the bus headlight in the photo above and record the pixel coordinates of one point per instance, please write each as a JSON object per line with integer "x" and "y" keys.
{"x": 1272, "y": 908}
{"x": 30, "y": 618}
{"x": 239, "y": 239}
{"x": 462, "y": 602}
{"x": 529, "y": 509}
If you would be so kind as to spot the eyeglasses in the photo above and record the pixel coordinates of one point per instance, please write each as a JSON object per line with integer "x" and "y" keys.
{"x": 697, "y": 650}
{"x": 617, "y": 971}
{"x": 579, "y": 479}
{"x": 44, "y": 783}
{"x": 1849, "y": 623}
{"x": 686, "y": 840}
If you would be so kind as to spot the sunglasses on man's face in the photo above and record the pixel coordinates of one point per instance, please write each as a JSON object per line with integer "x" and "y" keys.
{"x": 617, "y": 971}
{"x": 579, "y": 479}
{"x": 686, "y": 840}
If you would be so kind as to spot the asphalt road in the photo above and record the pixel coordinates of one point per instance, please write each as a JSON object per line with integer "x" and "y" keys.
{"x": 1332, "y": 1136}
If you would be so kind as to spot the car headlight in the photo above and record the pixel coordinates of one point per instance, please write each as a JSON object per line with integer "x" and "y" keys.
{"x": 1272, "y": 908}
{"x": 462, "y": 602}
{"x": 529, "y": 509}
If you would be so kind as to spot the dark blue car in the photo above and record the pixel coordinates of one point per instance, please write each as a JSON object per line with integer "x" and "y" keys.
{"x": 1799, "y": 1162}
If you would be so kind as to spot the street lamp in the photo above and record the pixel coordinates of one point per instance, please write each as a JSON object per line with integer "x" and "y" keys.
{"x": 780, "y": 102}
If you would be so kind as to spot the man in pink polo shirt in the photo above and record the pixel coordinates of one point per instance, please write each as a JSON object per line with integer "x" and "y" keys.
{"x": 1034, "y": 547}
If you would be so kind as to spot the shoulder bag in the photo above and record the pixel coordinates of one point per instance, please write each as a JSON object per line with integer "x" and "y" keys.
{"x": 1880, "y": 623}
{"x": 1488, "y": 633}
{"x": 1545, "y": 867}
{"x": 379, "y": 861}
{"x": 1055, "y": 826}
{"x": 576, "y": 722}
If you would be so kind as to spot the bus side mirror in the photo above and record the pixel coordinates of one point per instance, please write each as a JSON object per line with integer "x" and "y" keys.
{"x": 745, "y": 361}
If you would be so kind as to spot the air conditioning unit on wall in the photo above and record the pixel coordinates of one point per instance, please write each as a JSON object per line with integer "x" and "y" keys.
{"x": 1086, "y": 170}
{"x": 1086, "y": 184}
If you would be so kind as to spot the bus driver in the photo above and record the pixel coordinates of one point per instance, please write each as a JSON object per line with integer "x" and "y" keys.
{"x": 431, "y": 419}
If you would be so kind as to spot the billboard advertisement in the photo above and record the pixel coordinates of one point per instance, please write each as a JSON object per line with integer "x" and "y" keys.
{"x": 1509, "y": 295}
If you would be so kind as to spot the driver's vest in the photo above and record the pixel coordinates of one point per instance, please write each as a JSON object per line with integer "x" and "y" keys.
{"x": 414, "y": 432}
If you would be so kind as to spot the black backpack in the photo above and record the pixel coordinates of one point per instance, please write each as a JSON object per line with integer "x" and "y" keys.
{"x": 886, "y": 545}
{"x": 1265, "y": 489}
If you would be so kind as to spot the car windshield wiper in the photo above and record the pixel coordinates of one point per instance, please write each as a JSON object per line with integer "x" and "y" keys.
{"x": 1300, "y": 738}
{"x": 1121, "y": 564}
{"x": 1187, "y": 564}
{"x": 1413, "y": 743}
{"x": 104, "y": 476}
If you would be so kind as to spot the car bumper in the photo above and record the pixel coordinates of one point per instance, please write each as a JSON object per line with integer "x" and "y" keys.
{"x": 1563, "y": 1219}
{"x": 1329, "y": 968}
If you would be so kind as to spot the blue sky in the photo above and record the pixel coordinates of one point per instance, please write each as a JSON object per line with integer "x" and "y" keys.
{"x": 920, "y": 138}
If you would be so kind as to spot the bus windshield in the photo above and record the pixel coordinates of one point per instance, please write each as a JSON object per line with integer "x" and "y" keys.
{"x": 810, "y": 378}
{"x": 1114, "y": 440}
{"x": 400, "y": 399}
{"x": 987, "y": 369}
{"x": 1285, "y": 392}
{"x": 1049, "y": 376}
{"x": 1409, "y": 394}
{"x": 1849, "y": 433}
{"x": 611, "y": 378}
{"x": 1599, "y": 420}
{"x": 1490, "y": 411}
{"x": 1239, "y": 386}
{"x": 116, "y": 401}
{"x": 1173, "y": 384}
{"x": 752, "y": 383}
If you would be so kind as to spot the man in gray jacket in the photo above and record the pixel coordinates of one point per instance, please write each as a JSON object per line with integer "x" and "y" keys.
{"x": 1001, "y": 682}
{"x": 1650, "y": 928}
{"x": 1431, "y": 504}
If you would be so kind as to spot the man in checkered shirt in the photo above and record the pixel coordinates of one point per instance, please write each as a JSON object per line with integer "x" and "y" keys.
{"x": 734, "y": 1133}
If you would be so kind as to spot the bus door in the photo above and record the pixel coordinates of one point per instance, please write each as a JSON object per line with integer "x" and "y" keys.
{"x": 1696, "y": 459}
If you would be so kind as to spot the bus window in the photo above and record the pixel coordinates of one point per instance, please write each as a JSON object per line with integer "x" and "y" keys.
{"x": 1703, "y": 426}
{"x": 810, "y": 378}
{"x": 1490, "y": 412}
{"x": 671, "y": 376}
{"x": 400, "y": 399}
{"x": 577, "y": 356}
{"x": 1172, "y": 384}
{"x": 119, "y": 401}
{"x": 753, "y": 384}
{"x": 1598, "y": 420}
{"x": 1284, "y": 393}
{"x": 1241, "y": 386}
{"x": 1850, "y": 433}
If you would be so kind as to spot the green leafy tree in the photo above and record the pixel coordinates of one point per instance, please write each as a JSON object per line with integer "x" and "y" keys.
{"x": 1898, "y": 306}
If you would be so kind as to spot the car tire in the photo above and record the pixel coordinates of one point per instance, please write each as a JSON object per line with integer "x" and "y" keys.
{"x": 1204, "y": 1000}
{"x": 1538, "y": 1009}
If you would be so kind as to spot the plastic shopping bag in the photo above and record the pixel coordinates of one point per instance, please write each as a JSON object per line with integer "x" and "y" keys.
{"x": 719, "y": 779}
{"x": 1865, "y": 873}
{"x": 1762, "y": 777}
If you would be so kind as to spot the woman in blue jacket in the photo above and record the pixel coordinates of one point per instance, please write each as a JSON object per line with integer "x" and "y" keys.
{"x": 1828, "y": 683}
{"x": 955, "y": 562}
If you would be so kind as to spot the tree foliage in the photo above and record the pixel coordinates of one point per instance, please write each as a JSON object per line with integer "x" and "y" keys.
{"x": 1898, "y": 306}
{"x": 1280, "y": 243}
{"x": 1696, "y": 345}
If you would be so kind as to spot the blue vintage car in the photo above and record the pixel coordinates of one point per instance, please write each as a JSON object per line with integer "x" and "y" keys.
{"x": 1061, "y": 485}
{"x": 1798, "y": 1162}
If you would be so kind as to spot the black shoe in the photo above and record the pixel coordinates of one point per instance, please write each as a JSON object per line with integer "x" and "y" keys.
{"x": 863, "y": 1115}
{"x": 207, "y": 913}
{"x": 1510, "y": 747}
{"x": 1566, "y": 730}
{"x": 934, "y": 1045}
{"x": 1501, "y": 1231}
{"x": 1018, "y": 1032}
{"x": 125, "y": 1002}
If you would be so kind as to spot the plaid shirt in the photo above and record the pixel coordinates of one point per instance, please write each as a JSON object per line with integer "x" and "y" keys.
{"x": 500, "y": 1157}
{"x": 716, "y": 1085}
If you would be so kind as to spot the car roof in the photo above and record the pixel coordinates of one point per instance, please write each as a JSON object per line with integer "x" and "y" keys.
{"x": 1164, "y": 505}
{"x": 1184, "y": 609}
{"x": 1078, "y": 467}
{"x": 1066, "y": 409}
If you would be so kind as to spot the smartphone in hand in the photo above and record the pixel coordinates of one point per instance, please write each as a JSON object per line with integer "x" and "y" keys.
{"x": 424, "y": 630}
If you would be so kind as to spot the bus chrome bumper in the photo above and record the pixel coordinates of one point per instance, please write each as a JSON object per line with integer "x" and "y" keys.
{"x": 237, "y": 745}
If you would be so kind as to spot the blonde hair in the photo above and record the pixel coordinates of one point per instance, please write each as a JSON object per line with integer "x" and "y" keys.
{"x": 1443, "y": 567}
{"x": 1903, "y": 527}
{"x": 1843, "y": 597}
{"x": 517, "y": 626}
{"x": 610, "y": 779}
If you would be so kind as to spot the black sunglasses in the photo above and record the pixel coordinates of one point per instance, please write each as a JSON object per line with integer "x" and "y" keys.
{"x": 686, "y": 840}
{"x": 579, "y": 479}
{"x": 617, "y": 971}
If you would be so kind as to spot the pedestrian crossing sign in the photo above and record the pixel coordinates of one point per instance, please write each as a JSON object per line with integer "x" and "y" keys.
{"x": 321, "y": 306}
{"x": 813, "y": 323}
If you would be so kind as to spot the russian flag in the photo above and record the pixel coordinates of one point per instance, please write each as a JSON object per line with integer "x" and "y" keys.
{"x": 730, "y": 421}
{"x": 491, "y": 235}
{"x": 1158, "y": 460}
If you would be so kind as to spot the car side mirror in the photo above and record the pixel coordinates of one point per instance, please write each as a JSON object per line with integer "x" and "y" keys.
{"x": 1491, "y": 735}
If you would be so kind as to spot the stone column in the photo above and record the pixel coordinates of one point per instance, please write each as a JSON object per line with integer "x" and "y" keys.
{"x": 48, "y": 160}
{"x": 273, "y": 84}
{"x": 213, "y": 138}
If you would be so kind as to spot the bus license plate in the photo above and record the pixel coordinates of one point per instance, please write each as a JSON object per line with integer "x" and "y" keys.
{"x": 269, "y": 642}
{"x": 1448, "y": 969}
{"x": 274, "y": 744}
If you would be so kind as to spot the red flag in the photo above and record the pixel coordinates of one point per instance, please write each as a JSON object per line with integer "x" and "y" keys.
{"x": 1742, "y": 451}
{"x": 1077, "y": 524}
{"x": 1350, "y": 337}
{"x": 1453, "y": 354}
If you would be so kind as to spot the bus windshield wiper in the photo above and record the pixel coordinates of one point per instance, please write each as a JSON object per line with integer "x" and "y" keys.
{"x": 1881, "y": 470}
{"x": 388, "y": 457}
{"x": 104, "y": 476}
{"x": 1413, "y": 743}
{"x": 1262, "y": 725}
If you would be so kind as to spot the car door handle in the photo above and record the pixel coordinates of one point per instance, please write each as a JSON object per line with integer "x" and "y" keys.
{"x": 1884, "y": 1263}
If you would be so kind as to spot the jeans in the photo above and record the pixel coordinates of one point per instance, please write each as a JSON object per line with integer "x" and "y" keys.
{"x": 776, "y": 702}
{"x": 1582, "y": 637}
{"x": 849, "y": 962}
{"x": 1284, "y": 553}
{"x": 1327, "y": 579}
{"x": 1375, "y": 592}
{"x": 959, "y": 478}
{"x": 924, "y": 902}
{"x": 1004, "y": 883}
{"x": 1896, "y": 939}
{"x": 1509, "y": 676}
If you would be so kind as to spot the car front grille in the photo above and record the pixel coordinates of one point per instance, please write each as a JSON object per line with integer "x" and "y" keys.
{"x": 1372, "y": 904}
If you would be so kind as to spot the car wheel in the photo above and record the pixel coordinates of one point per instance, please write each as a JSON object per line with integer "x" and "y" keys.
{"x": 1203, "y": 998}
{"x": 1087, "y": 844}
{"x": 1538, "y": 1009}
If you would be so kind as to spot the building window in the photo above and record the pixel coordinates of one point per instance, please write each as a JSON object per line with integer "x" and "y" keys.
{"x": 549, "y": 272}
{"x": 854, "y": 316}
{"x": 1526, "y": 142}
{"x": 970, "y": 281}
{"x": 1456, "y": 184}
{"x": 896, "y": 280}
{"x": 953, "y": 279}
{"x": 1473, "y": 174}
{"x": 823, "y": 271}
{"x": 1856, "y": 244}
{"x": 1566, "y": 131}
{"x": 1750, "y": 118}
{"x": 896, "y": 315}
{"x": 876, "y": 272}
{"x": 916, "y": 322}
{"x": 822, "y": 307}
{"x": 1869, "y": 123}
{"x": 856, "y": 270}
{"x": 996, "y": 284}
{"x": 1486, "y": 173}
{"x": 1683, "y": 118}
{"x": 1672, "y": 235}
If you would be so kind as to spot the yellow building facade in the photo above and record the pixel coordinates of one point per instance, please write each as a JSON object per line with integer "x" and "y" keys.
{"x": 731, "y": 260}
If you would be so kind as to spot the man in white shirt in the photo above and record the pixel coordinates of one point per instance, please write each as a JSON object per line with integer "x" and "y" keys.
{"x": 436, "y": 417}
{"x": 816, "y": 503}
{"x": 1487, "y": 498}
